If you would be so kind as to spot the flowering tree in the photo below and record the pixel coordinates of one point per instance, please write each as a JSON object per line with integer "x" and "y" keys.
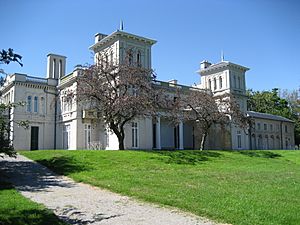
{"x": 206, "y": 110}
{"x": 119, "y": 93}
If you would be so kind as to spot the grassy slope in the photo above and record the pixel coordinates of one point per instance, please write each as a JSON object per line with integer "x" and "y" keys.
{"x": 18, "y": 210}
{"x": 261, "y": 187}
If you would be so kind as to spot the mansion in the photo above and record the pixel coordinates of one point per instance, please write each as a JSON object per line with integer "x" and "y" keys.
{"x": 58, "y": 124}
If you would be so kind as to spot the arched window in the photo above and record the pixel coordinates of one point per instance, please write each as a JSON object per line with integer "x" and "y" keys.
{"x": 209, "y": 84}
{"x": 220, "y": 83}
{"x": 43, "y": 105}
{"x": 35, "y": 104}
{"x": 215, "y": 84}
{"x": 29, "y": 104}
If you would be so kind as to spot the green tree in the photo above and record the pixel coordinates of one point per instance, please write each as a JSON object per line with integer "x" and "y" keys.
{"x": 6, "y": 146}
{"x": 270, "y": 102}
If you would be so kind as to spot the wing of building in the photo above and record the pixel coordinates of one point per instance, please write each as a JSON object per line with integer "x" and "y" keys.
{"x": 57, "y": 123}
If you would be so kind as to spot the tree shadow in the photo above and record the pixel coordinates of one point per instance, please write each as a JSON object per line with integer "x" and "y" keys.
{"x": 260, "y": 154}
{"x": 63, "y": 165}
{"x": 30, "y": 176}
{"x": 29, "y": 217}
{"x": 188, "y": 157}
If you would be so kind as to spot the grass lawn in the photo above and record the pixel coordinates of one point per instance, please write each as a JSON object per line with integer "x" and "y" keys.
{"x": 238, "y": 187}
{"x": 18, "y": 210}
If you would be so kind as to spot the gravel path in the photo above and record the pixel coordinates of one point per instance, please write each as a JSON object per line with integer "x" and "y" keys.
{"x": 78, "y": 203}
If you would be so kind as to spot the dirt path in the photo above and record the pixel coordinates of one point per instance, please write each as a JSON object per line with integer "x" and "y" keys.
{"x": 78, "y": 203}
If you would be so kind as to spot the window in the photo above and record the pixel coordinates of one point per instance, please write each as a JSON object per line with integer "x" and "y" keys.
{"x": 271, "y": 127}
{"x": 215, "y": 84}
{"x": 209, "y": 84}
{"x": 220, "y": 82}
{"x": 239, "y": 139}
{"x": 138, "y": 59}
{"x": 265, "y": 127}
{"x": 234, "y": 81}
{"x": 258, "y": 126}
{"x": 239, "y": 82}
{"x": 35, "y": 104}
{"x": 134, "y": 134}
{"x": 87, "y": 135}
{"x": 43, "y": 105}
{"x": 286, "y": 129}
{"x": 29, "y": 104}
{"x": 66, "y": 136}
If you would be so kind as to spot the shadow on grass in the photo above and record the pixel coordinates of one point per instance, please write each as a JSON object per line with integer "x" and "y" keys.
{"x": 189, "y": 157}
{"x": 63, "y": 165}
{"x": 29, "y": 217}
{"x": 260, "y": 154}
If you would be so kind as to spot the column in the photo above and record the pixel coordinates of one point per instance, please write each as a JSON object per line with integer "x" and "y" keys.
{"x": 158, "y": 145}
{"x": 180, "y": 135}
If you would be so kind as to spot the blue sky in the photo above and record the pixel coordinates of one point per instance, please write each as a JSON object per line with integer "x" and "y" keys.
{"x": 263, "y": 35}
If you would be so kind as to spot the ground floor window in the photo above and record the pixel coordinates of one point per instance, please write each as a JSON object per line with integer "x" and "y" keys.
{"x": 134, "y": 134}
{"x": 87, "y": 135}
{"x": 66, "y": 136}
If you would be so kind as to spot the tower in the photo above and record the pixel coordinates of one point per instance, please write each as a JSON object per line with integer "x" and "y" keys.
{"x": 120, "y": 46}
{"x": 225, "y": 77}
{"x": 56, "y": 66}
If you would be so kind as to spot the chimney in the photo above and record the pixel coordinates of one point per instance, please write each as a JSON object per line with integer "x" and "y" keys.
{"x": 56, "y": 66}
{"x": 99, "y": 37}
{"x": 204, "y": 64}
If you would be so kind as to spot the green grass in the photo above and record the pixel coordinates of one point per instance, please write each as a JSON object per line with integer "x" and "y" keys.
{"x": 246, "y": 187}
{"x": 18, "y": 210}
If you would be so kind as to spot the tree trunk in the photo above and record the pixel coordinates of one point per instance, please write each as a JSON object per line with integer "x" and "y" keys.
{"x": 203, "y": 139}
{"x": 121, "y": 143}
{"x": 120, "y": 134}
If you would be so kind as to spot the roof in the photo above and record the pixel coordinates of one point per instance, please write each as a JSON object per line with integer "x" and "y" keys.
{"x": 267, "y": 116}
{"x": 222, "y": 65}
{"x": 119, "y": 33}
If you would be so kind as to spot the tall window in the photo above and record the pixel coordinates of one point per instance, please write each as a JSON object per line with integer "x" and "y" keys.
{"x": 36, "y": 104}
{"x": 111, "y": 58}
{"x": 138, "y": 59}
{"x": 265, "y": 126}
{"x": 239, "y": 82}
{"x": 29, "y": 104}
{"x": 134, "y": 134}
{"x": 234, "y": 81}
{"x": 43, "y": 105}
{"x": 215, "y": 84}
{"x": 239, "y": 139}
{"x": 209, "y": 84}
{"x": 66, "y": 136}
{"x": 220, "y": 82}
{"x": 87, "y": 135}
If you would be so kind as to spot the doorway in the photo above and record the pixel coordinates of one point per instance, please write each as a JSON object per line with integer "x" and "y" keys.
{"x": 34, "y": 143}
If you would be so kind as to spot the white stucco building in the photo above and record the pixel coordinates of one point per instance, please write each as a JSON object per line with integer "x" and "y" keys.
{"x": 59, "y": 124}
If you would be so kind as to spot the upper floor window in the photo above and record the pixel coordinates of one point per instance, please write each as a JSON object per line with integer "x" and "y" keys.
{"x": 258, "y": 126}
{"x": 265, "y": 126}
{"x": 220, "y": 82}
{"x": 215, "y": 84}
{"x": 271, "y": 127}
{"x": 239, "y": 82}
{"x": 29, "y": 104}
{"x": 138, "y": 59}
{"x": 209, "y": 84}
{"x": 286, "y": 129}
{"x": 234, "y": 81}
{"x": 35, "y": 104}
